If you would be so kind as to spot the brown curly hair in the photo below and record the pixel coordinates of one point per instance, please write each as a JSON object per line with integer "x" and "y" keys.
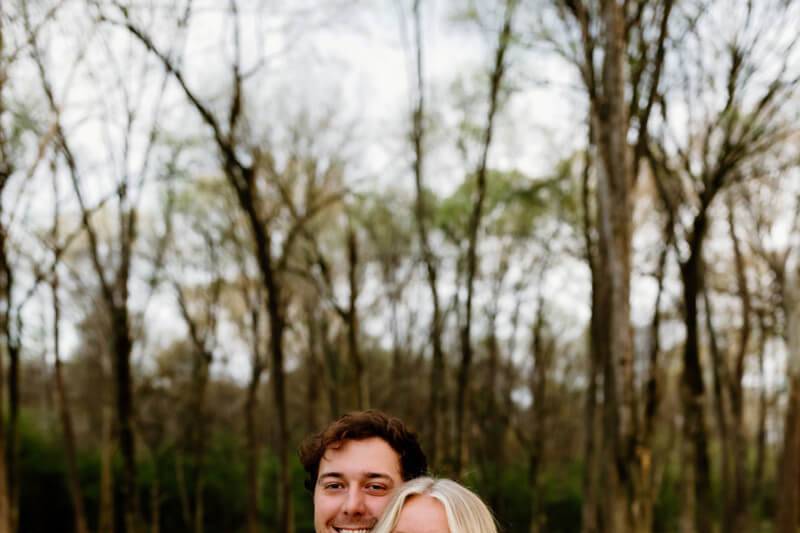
{"x": 360, "y": 425}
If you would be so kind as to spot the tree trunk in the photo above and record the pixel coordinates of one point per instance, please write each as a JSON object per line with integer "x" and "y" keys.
{"x": 693, "y": 388}
{"x": 436, "y": 392}
{"x": 183, "y": 491}
{"x": 495, "y": 417}
{"x": 12, "y": 451}
{"x": 313, "y": 371}
{"x": 5, "y": 290}
{"x": 5, "y": 511}
{"x": 788, "y": 504}
{"x": 251, "y": 404}
{"x": 504, "y": 40}
{"x": 397, "y": 391}
{"x": 73, "y": 480}
{"x": 361, "y": 385}
{"x": 687, "y": 485}
{"x": 331, "y": 356}
{"x": 242, "y": 179}
{"x": 650, "y": 479}
{"x": 623, "y": 458}
{"x": 615, "y": 201}
{"x": 286, "y": 513}
{"x": 106, "y": 508}
{"x": 539, "y": 377}
{"x": 761, "y": 436}
{"x": 595, "y": 349}
{"x": 721, "y": 381}
{"x": 589, "y": 505}
{"x": 493, "y": 421}
{"x": 738, "y": 505}
{"x": 199, "y": 438}
{"x": 155, "y": 503}
{"x": 124, "y": 395}
{"x": 196, "y": 430}
{"x": 788, "y": 501}
{"x": 9, "y": 442}
{"x": 6, "y": 519}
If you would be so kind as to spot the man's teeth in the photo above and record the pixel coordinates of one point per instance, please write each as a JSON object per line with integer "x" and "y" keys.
{"x": 346, "y": 530}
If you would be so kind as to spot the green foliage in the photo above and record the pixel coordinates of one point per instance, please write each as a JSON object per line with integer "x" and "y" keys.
{"x": 26, "y": 128}
{"x": 224, "y": 486}
{"x": 301, "y": 498}
{"x": 505, "y": 489}
{"x": 668, "y": 504}
{"x": 507, "y": 492}
{"x": 514, "y": 203}
{"x": 390, "y": 235}
{"x": 44, "y": 480}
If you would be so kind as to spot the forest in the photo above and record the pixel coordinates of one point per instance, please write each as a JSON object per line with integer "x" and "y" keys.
{"x": 558, "y": 238}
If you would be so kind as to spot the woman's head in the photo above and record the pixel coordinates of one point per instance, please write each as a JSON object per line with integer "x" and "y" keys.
{"x": 428, "y": 505}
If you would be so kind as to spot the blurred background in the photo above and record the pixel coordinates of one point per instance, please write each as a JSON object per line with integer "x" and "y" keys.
{"x": 559, "y": 238}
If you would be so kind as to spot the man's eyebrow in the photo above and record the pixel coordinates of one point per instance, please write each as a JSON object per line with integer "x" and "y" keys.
{"x": 378, "y": 475}
{"x": 367, "y": 475}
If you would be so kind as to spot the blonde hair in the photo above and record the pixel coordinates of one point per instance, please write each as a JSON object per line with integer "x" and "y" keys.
{"x": 465, "y": 511}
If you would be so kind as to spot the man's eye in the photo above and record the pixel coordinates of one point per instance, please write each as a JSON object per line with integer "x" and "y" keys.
{"x": 332, "y": 486}
{"x": 377, "y": 488}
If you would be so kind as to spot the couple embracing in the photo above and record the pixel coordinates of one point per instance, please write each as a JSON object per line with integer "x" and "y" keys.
{"x": 367, "y": 473}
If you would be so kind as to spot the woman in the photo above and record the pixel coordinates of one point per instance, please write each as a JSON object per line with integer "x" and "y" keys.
{"x": 428, "y": 505}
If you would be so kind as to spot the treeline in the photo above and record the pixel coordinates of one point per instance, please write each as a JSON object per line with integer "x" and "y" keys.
{"x": 206, "y": 256}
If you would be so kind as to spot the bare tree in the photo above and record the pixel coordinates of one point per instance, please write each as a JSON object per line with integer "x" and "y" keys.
{"x": 253, "y": 327}
{"x": 787, "y": 512}
{"x": 735, "y": 516}
{"x": 421, "y": 217}
{"x": 65, "y": 412}
{"x": 389, "y": 247}
{"x": 112, "y": 270}
{"x": 6, "y": 287}
{"x": 498, "y": 70}
{"x": 202, "y": 335}
{"x": 242, "y": 175}
{"x": 619, "y": 51}
{"x": 14, "y": 46}
{"x": 730, "y": 143}
{"x": 778, "y": 318}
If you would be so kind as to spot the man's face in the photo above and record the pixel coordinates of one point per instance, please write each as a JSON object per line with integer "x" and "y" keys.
{"x": 354, "y": 484}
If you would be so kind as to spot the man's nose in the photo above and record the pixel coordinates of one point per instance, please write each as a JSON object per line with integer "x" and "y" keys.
{"x": 354, "y": 504}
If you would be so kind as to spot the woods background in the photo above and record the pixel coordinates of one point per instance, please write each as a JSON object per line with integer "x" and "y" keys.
{"x": 560, "y": 238}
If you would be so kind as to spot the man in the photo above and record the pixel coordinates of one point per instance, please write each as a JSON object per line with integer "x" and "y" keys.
{"x": 354, "y": 465}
